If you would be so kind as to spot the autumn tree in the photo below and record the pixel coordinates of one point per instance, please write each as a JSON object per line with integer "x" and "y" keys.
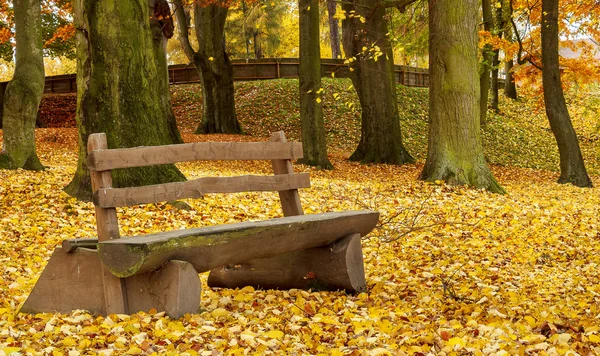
{"x": 24, "y": 92}
{"x": 367, "y": 47}
{"x": 212, "y": 62}
{"x": 572, "y": 167}
{"x": 455, "y": 153}
{"x": 486, "y": 64}
{"x": 497, "y": 31}
{"x": 119, "y": 88}
{"x": 334, "y": 29}
{"x": 314, "y": 143}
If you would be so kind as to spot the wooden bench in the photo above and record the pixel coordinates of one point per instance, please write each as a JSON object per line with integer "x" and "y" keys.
{"x": 125, "y": 275}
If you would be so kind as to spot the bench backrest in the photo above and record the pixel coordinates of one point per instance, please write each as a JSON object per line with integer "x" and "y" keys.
{"x": 102, "y": 160}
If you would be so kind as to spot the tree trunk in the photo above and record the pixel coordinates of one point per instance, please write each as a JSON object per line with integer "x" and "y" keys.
{"x": 2, "y": 92}
{"x": 510, "y": 88}
{"x": 161, "y": 25}
{"x": 314, "y": 143}
{"x": 373, "y": 79}
{"x": 257, "y": 48}
{"x": 334, "y": 29}
{"x": 572, "y": 167}
{"x": 213, "y": 65}
{"x": 455, "y": 153}
{"x": 484, "y": 71}
{"x": 498, "y": 27}
{"x": 24, "y": 92}
{"x": 119, "y": 89}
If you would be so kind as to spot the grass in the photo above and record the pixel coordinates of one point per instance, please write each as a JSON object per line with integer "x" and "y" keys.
{"x": 518, "y": 135}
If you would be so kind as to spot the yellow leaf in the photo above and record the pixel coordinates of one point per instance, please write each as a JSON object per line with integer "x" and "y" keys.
{"x": 318, "y": 100}
{"x": 457, "y": 341}
{"x": 274, "y": 334}
{"x": 219, "y": 312}
{"x": 211, "y": 59}
{"x": 594, "y": 338}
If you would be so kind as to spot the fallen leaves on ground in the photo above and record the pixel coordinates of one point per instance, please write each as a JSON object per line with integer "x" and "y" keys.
{"x": 494, "y": 275}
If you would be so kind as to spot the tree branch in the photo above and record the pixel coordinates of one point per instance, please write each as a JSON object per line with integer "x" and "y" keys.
{"x": 182, "y": 21}
{"x": 399, "y": 4}
{"x": 527, "y": 58}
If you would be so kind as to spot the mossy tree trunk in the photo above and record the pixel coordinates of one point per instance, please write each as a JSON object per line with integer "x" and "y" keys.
{"x": 161, "y": 25}
{"x": 24, "y": 92}
{"x": 486, "y": 65}
{"x": 455, "y": 153}
{"x": 334, "y": 29}
{"x": 373, "y": 79}
{"x": 119, "y": 89}
{"x": 314, "y": 142}
{"x": 572, "y": 167}
{"x": 213, "y": 65}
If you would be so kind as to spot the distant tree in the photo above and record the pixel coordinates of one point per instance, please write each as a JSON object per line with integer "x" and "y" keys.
{"x": 162, "y": 27}
{"x": 213, "y": 64}
{"x": 497, "y": 31}
{"x": 572, "y": 167}
{"x": 455, "y": 153}
{"x": 119, "y": 89}
{"x": 368, "y": 49}
{"x": 334, "y": 29}
{"x": 314, "y": 143}
{"x": 510, "y": 87}
{"x": 24, "y": 92}
{"x": 486, "y": 64}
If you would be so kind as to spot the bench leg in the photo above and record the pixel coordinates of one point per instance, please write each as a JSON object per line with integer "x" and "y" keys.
{"x": 338, "y": 266}
{"x": 73, "y": 281}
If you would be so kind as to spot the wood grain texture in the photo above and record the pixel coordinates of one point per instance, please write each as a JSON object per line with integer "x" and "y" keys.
{"x": 71, "y": 245}
{"x": 290, "y": 200}
{"x": 338, "y": 266}
{"x": 107, "y": 226}
{"x": 210, "y": 247}
{"x": 105, "y": 159}
{"x": 73, "y": 281}
{"x": 119, "y": 197}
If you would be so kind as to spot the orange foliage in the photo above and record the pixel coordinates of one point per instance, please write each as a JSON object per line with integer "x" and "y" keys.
{"x": 5, "y": 35}
{"x": 62, "y": 33}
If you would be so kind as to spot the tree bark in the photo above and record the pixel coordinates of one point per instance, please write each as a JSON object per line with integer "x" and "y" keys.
{"x": 334, "y": 29}
{"x": 258, "y": 53}
{"x": 119, "y": 89}
{"x": 498, "y": 29}
{"x": 572, "y": 167}
{"x": 314, "y": 143}
{"x": 161, "y": 25}
{"x": 373, "y": 79}
{"x": 484, "y": 71}
{"x": 24, "y": 92}
{"x": 455, "y": 153}
{"x": 510, "y": 88}
{"x": 213, "y": 65}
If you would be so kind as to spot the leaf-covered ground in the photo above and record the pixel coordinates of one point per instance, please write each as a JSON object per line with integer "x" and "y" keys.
{"x": 503, "y": 275}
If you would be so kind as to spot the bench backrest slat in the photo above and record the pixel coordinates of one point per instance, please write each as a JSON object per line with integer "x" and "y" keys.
{"x": 120, "y": 197}
{"x": 102, "y": 160}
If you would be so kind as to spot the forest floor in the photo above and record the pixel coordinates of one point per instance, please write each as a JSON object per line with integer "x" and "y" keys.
{"x": 494, "y": 274}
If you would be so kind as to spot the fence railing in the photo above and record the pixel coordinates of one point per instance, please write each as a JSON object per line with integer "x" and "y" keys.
{"x": 251, "y": 69}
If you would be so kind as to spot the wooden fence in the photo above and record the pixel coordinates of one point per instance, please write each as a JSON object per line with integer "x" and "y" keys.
{"x": 251, "y": 69}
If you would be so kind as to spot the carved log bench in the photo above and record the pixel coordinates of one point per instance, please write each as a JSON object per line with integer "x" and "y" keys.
{"x": 125, "y": 275}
